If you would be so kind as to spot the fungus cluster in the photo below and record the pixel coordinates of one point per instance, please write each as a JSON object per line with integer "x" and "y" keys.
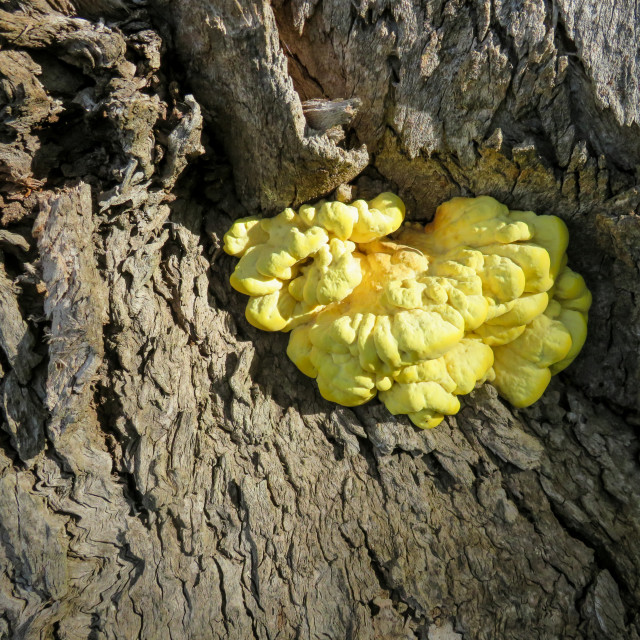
{"x": 481, "y": 293}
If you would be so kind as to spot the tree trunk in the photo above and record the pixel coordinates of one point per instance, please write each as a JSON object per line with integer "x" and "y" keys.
{"x": 165, "y": 470}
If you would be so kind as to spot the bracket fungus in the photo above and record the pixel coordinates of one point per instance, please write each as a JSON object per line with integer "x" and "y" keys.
{"x": 425, "y": 315}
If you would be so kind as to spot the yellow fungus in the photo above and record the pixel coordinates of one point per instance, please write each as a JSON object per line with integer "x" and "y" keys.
{"x": 479, "y": 294}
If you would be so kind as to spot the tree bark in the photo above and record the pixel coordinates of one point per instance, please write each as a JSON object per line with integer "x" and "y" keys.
{"x": 165, "y": 470}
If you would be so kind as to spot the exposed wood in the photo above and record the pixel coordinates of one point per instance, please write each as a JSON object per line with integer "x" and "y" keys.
{"x": 254, "y": 104}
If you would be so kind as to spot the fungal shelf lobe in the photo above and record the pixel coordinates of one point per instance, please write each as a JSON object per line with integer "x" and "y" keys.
{"x": 479, "y": 294}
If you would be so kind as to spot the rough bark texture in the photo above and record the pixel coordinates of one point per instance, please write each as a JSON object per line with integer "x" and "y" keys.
{"x": 165, "y": 470}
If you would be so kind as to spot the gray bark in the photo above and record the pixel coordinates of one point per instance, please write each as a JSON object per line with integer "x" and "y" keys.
{"x": 165, "y": 470}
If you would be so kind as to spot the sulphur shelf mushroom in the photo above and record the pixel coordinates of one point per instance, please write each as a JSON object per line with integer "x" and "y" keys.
{"x": 479, "y": 294}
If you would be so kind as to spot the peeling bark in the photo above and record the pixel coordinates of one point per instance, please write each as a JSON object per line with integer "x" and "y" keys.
{"x": 165, "y": 470}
